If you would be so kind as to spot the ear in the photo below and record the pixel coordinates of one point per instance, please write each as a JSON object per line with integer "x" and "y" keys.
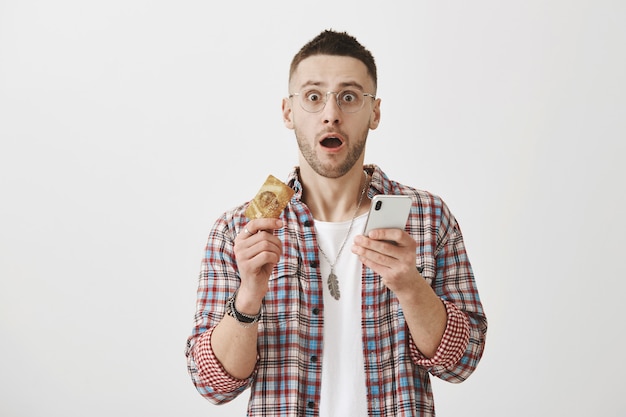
{"x": 287, "y": 113}
{"x": 375, "y": 116}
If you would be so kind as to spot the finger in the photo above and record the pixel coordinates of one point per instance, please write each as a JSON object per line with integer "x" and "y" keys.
{"x": 390, "y": 235}
{"x": 378, "y": 256}
{"x": 383, "y": 252}
{"x": 385, "y": 246}
{"x": 387, "y": 265}
{"x": 261, "y": 259}
{"x": 250, "y": 246}
{"x": 256, "y": 225}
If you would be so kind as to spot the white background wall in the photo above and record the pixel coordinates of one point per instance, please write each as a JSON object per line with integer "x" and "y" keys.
{"x": 127, "y": 127}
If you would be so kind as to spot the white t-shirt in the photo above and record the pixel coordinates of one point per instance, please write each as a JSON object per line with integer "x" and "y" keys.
{"x": 343, "y": 391}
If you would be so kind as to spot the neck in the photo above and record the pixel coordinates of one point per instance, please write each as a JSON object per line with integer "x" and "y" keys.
{"x": 335, "y": 199}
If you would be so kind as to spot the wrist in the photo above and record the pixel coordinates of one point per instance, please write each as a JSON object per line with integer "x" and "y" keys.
{"x": 243, "y": 318}
{"x": 249, "y": 300}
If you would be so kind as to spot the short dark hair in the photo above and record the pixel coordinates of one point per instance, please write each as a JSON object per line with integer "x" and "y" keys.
{"x": 330, "y": 42}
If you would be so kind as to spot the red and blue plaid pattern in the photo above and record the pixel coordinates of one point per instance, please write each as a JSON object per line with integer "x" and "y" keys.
{"x": 287, "y": 378}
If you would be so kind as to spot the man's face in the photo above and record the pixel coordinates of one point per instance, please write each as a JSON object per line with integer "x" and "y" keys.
{"x": 331, "y": 141}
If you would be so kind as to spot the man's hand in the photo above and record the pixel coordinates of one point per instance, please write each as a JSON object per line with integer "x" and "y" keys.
{"x": 257, "y": 251}
{"x": 391, "y": 254}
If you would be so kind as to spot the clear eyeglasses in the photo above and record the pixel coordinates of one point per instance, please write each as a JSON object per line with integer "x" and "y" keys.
{"x": 349, "y": 101}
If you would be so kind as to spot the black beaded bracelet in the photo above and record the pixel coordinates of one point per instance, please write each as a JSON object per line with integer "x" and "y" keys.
{"x": 245, "y": 320}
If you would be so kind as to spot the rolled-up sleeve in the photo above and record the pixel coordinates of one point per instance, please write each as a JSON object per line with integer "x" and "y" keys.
{"x": 218, "y": 279}
{"x": 463, "y": 342}
{"x": 453, "y": 342}
{"x": 208, "y": 374}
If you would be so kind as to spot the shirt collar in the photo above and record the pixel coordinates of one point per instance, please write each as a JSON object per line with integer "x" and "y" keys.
{"x": 379, "y": 183}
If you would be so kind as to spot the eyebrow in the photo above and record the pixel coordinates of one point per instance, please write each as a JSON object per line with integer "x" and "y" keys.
{"x": 342, "y": 85}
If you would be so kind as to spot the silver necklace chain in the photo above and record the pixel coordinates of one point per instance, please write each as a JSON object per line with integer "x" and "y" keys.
{"x": 333, "y": 283}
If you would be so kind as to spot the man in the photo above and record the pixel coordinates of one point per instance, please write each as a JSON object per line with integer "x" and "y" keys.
{"x": 401, "y": 304}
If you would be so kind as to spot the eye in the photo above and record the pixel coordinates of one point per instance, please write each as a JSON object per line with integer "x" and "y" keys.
{"x": 349, "y": 96}
{"x": 313, "y": 96}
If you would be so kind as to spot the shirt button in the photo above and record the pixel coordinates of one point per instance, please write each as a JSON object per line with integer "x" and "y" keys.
{"x": 310, "y": 404}
{"x": 308, "y": 223}
{"x": 316, "y": 311}
{"x": 313, "y": 358}
{"x": 313, "y": 264}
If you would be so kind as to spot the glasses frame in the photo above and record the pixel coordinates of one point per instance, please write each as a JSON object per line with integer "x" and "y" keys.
{"x": 337, "y": 94}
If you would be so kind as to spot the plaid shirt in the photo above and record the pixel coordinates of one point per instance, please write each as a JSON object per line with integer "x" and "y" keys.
{"x": 287, "y": 378}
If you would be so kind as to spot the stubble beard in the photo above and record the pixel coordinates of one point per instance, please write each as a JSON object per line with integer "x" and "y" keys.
{"x": 330, "y": 169}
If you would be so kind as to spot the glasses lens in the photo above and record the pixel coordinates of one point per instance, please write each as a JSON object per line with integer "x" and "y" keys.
{"x": 313, "y": 101}
{"x": 350, "y": 101}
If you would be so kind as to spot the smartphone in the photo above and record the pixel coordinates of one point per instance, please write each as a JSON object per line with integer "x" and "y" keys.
{"x": 388, "y": 212}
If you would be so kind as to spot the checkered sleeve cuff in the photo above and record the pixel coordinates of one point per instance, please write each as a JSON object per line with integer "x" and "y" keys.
{"x": 210, "y": 370}
{"x": 453, "y": 342}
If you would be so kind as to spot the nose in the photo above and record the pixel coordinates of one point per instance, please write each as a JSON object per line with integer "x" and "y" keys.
{"x": 331, "y": 112}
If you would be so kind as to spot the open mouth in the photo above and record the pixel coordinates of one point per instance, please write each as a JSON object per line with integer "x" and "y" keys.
{"x": 331, "y": 142}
